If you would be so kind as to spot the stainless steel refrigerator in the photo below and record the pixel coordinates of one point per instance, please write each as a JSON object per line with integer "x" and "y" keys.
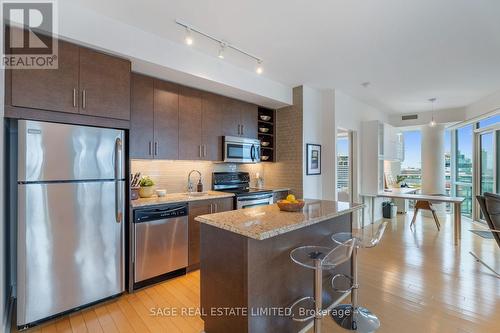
{"x": 71, "y": 193}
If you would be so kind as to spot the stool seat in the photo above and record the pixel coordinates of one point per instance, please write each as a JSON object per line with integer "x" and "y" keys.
{"x": 361, "y": 240}
{"x": 305, "y": 256}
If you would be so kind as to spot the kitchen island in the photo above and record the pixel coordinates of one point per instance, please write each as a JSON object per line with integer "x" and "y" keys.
{"x": 247, "y": 277}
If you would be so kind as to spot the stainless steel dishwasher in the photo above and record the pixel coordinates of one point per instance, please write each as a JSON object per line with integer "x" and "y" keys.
{"x": 161, "y": 243}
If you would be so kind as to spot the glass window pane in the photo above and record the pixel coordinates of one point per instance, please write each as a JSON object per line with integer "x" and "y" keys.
{"x": 343, "y": 166}
{"x": 464, "y": 154}
{"x": 487, "y": 162}
{"x": 411, "y": 167}
{"x": 466, "y": 192}
{"x": 489, "y": 121}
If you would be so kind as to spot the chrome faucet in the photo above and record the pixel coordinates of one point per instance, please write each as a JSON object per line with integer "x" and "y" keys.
{"x": 190, "y": 184}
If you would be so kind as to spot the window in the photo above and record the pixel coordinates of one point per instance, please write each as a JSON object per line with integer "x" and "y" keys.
{"x": 344, "y": 186}
{"x": 463, "y": 170}
{"x": 412, "y": 164}
{"x": 489, "y": 121}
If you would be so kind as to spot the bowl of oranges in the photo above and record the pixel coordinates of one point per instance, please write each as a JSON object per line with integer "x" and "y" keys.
{"x": 291, "y": 204}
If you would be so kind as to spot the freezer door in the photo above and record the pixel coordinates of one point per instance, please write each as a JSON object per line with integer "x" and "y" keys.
{"x": 70, "y": 247}
{"x": 55, "y": 152}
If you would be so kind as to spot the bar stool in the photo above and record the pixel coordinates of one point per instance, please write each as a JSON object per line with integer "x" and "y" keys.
{"x": 319, "y": 258}
{"x": 359, "y": 319}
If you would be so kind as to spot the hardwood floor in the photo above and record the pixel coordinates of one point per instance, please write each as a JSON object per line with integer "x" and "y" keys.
{"x": 413, "y": 281}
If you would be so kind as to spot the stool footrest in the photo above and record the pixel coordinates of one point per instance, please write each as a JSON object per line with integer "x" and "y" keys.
{"x": 346, "y": 277}
{"x": 309, "y": 309}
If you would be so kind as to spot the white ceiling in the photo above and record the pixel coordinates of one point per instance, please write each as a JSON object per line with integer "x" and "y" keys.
{"x": 409, "y": 50}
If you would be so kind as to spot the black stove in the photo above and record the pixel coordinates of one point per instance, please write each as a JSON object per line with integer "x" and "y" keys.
{"x": 239, "y": 184}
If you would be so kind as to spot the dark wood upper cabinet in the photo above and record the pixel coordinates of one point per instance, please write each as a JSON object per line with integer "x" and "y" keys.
{"x": 190, "y": 119}
{"x": 166, "y": 120}
{"x": 239, "y": 119}
{"x": 231, "y": 117}
{"x": 54, "y": 89}
{"x": 211, "y": 126}
{"x": 104, "y": 85}
{"x": 249, "y": 117}
{"x": 142, "y": 117}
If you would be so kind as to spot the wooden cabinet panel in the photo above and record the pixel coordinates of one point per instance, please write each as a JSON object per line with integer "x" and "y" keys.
{"x": 231, "y": 117}
{"x": 196, "y": 208}
{"x": 166, "y": 120}
{"x": 223, "y": 205}
{"x": 142, "y": 117}
{"x": 190, "y": 147}
{"x": 211, "y": 126}
{"x": 104, "y": 85}
{"x": 249, "y": 116}
{"x": 53, "y": 89}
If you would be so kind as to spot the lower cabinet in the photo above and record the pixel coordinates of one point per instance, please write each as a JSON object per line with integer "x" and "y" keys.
{"x": 197, "y": 208}
{"x": 280, "y": 195}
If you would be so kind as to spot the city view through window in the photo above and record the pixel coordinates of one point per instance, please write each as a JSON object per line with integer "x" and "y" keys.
{"x": 411, "y": 166}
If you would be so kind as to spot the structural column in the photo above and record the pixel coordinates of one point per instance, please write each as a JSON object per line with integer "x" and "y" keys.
{"x": 433, "y": 161}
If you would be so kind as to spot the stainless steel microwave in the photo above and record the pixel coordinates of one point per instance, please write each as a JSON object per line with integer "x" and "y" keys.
{"x": 241, "y": 150}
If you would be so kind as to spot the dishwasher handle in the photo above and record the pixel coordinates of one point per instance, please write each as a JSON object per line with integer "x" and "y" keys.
{"x": 160, "y": 213}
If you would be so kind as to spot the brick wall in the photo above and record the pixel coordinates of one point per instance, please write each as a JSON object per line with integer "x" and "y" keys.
{"x": 288, "y": 170}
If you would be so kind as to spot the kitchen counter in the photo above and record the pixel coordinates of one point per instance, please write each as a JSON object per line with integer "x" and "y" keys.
{"x": 245, "y": 263}
{"x": 276, "y": 189}
{"x": 178, "y": 197}
{"x": 268, "y": 221}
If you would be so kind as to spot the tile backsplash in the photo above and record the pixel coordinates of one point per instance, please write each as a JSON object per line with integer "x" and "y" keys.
{"x": 172, "y": 175}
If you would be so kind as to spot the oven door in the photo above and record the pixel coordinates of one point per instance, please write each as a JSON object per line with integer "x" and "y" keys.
{"x": 241, "y": 150}
{"x": 254, "y": 200}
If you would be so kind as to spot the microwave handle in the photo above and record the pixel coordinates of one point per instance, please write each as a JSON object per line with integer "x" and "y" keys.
{"x": 252, "y": 152}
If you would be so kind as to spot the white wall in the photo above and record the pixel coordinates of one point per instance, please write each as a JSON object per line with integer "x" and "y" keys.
{"x": 483, "y": 106}
{"x": 440, "y": 116}
{"x": 349, "y": 114}
{"x": 319, "y": 128}
{"x": 160, "y": 57}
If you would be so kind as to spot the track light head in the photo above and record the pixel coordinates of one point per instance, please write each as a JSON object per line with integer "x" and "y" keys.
{"x": 221, "y": 50}
{"x": 189, "y": 36}
{"x": 259, "y": 68}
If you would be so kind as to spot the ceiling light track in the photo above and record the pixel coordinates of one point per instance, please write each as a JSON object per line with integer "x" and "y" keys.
{"x": 224, "y": 44}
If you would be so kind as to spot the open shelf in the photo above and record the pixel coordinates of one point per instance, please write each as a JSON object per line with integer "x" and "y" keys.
{"x": 269, "y": 136}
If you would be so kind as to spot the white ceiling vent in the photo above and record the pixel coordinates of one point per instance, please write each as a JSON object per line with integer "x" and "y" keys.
{"x": 409, "y": 117}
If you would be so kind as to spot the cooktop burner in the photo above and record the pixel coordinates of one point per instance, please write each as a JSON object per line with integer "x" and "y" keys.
{"x": 235, "y": 182}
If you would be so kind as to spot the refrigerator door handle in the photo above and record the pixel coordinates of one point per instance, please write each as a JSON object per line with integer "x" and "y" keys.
{"x": 118, "y": 172}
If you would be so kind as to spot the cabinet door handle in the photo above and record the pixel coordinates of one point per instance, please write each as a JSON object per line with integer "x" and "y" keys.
{"x": 242, "y": 129}
{"x": 239, "y": 129}
{"x": 216, "y": 207}
{"x": 74, "y": 97}
{"x": 211, "y": 208}
{"x": 150, "y": 148}
{"x": 204, "y": 150}
{"x": 156, "y": 148}
{"x": 84, "y": 99}
{"x": 199, "y": 151}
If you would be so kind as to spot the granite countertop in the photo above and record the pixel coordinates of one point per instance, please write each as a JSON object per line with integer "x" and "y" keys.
{"x": 178, "y": 197}
{"x": 264, "y": 222}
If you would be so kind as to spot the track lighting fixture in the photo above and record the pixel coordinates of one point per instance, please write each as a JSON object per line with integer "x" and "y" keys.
{"x": 189, "y": 36}
{"x": 433, "y": 122}
{"x": 223, "y": 44}
{"x": 221, "y": 50}
{"x": 259, "y": 69}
